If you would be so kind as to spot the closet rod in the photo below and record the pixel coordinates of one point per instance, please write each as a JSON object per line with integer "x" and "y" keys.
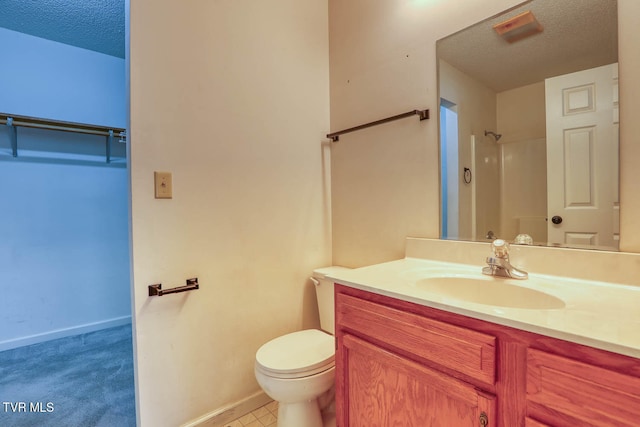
{"x": 423, "y": 114}
{"x": 32, "y": 122}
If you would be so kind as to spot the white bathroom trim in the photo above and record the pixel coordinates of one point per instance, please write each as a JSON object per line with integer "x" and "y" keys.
{"x": 65, "y": 332}
{"x": 222, "y": 416}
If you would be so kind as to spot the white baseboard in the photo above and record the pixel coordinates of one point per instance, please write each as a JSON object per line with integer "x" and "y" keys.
{"x": 66, "y": 332}
{"x": 222, "y": 416}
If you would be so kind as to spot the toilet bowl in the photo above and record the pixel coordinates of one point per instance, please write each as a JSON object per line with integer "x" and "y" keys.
{"x": 294, "y": 370}
{"x": 297, "y": 369}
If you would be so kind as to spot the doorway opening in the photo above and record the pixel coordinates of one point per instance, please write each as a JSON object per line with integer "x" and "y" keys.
{"x": 66, "y": 345}
{"x": 450, "y": 170}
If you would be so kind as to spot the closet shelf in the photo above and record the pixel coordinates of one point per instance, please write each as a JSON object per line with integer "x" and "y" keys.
{"x": 14, "y": 121}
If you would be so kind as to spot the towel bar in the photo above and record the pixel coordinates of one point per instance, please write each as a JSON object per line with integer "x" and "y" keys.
{"x": 424, "y": 115}
{"x": 156, "y": 290}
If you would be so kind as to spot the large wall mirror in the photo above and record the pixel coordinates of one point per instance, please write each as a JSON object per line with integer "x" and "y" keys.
{"x": 529, "y": 126}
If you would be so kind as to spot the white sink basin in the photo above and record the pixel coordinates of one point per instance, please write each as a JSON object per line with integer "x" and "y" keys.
{"x": 489, "y": 290}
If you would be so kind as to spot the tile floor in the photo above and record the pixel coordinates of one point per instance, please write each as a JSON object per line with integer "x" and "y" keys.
{"x": 266, "y": 416}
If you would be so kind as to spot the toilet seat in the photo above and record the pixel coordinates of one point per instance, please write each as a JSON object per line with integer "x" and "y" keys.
{"x": 296, "y": 355}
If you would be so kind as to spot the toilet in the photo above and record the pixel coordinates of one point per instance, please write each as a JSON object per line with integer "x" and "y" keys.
{"x": 298, "y": 369}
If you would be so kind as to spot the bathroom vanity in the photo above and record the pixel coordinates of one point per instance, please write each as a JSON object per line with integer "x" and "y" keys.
{"x": 410, "y": 357}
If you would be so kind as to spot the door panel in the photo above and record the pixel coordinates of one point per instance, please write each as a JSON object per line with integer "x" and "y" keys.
{"x": 582, "y": 157}
{"x": 385, "y": 389}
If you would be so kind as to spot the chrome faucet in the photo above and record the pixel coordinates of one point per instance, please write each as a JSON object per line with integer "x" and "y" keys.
{"x": 499, "y": 264}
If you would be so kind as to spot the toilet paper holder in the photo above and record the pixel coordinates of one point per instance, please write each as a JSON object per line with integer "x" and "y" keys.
{"x": 156, "y": 290}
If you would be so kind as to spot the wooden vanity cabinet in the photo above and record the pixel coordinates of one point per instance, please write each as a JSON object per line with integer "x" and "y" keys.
{"x": 404, "y": 364}
{"x": 397, "y": 368}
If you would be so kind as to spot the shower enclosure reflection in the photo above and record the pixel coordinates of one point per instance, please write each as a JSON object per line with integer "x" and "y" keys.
{"x": 506, "y": 163}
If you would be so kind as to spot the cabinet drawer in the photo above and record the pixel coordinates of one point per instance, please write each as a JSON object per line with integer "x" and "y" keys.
{"x": 568, "y": 393}
{"x": 528, "y": 422}
{"x": 468, "y": 352}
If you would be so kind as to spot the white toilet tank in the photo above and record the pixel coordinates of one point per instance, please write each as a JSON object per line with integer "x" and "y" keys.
{"x": 324, "y": 294}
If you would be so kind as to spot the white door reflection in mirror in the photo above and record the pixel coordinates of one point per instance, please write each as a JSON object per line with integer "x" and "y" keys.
{"x": 582, "y": 157}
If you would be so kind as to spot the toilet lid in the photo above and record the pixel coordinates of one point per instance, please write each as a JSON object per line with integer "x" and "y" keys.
{"x": 297, "y": 354}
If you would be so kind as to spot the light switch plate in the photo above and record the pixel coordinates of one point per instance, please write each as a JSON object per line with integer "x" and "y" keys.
{"x": 163, "y": 186}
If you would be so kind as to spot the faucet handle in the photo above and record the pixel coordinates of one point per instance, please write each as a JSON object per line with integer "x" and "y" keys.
{"x": 500, "y": 248}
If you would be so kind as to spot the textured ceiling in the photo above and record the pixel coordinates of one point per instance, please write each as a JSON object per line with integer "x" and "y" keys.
{"x": 578, "y": 34}
{"x": 96, "y": 25}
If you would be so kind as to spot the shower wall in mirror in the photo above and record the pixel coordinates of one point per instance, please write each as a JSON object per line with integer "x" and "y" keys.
{"x": 529, "y": 126}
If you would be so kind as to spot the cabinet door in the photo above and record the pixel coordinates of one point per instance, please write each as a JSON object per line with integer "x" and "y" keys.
{"x": 568, "y": 393}
{"x": 377, "y": 388}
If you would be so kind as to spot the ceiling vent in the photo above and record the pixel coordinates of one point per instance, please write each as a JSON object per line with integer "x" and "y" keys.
{"x": 518, "y": 27}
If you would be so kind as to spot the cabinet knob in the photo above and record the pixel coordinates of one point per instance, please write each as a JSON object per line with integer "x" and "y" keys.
{"x": 556, "y": 219}
{"x": 484, "y": 419}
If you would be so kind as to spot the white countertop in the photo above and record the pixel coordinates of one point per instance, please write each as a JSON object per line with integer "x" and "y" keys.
{"x": 598, "y": 314}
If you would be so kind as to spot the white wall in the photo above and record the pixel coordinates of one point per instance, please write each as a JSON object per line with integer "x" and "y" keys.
{"x": 43, "y": 78}
{"x": 629, "y": 66}
{"x": 383, "y": 63}
{"x": 64, "y": 255}
{"x": 476, "y": 113}
{"x": 521, "y": 113}
{"x": 232, "y": 97}
{"x": 523, "y": 171}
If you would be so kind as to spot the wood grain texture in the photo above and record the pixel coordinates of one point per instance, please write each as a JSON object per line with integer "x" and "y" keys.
{"x": 388, "y": 390}
{"x": 604, "y": 374}
{"x": 461, "y": 349}
{"x": 530, "y": 422}
{"x": 570, "y": 392}
{"x": 511, "y": 381}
